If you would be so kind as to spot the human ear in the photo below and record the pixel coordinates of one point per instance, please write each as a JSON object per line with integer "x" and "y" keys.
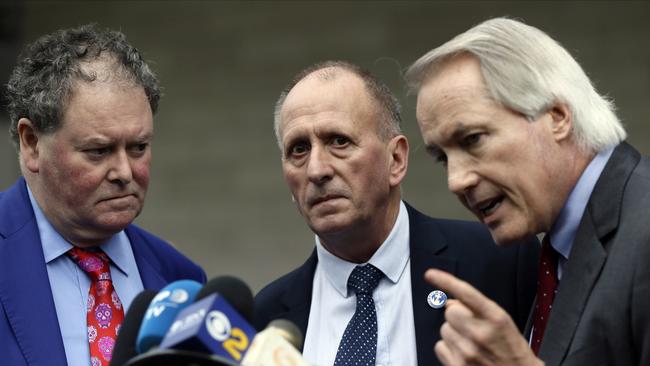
{"x": 398, "y": 147}
{"x": 561, "y": 121}
{"x": 28, "y": 141}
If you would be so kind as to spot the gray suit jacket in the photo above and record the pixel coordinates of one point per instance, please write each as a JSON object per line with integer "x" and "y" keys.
{"x": 601, "y": 313}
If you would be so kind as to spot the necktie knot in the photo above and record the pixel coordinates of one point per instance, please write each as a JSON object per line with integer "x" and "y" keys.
{"x": 95, "y": 264}
{"x": 364, "y": 279}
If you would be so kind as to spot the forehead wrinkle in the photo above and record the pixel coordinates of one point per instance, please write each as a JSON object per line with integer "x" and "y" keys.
{"x": 305, "y": 111}
{"x": 320, "y": 99}
{"x": 322, "y": 125}
{"x": 452, "y": 104}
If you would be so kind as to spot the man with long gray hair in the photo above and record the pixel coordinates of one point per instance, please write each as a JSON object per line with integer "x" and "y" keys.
{"x": 531, "y": 148}
{"x": 81, "y": 104}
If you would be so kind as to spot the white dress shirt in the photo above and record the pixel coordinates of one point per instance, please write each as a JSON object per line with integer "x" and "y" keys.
{"x": 332, "y": 305}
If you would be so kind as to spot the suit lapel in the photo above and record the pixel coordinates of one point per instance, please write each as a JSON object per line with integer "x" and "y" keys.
{"x": 25, "y": 289}
{"x": 297, "y": 298}
{"x": 582, "y": 271}
{"x": 426, "y": 243}
{"x": 148, "y": 266}
{"x": 588, "y": 254}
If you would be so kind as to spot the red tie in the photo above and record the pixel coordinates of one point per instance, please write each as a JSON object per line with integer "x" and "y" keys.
{"x": 546, "y": 289}
{"x": 104, "y": 309}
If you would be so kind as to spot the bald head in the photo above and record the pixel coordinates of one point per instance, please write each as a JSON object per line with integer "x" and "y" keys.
{"x": 379, "y": 96}
{"x": 326, "y": 90}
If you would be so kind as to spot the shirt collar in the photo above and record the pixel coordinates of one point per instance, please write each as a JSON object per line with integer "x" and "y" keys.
{"x": 117, "y": 248}
{"x": 391, "y": 257}
{"x": 564, "y": 230}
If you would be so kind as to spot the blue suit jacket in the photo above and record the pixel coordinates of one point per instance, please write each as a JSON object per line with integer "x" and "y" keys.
{"x": 29, "y": 328}
{"x": 507, "y": 275}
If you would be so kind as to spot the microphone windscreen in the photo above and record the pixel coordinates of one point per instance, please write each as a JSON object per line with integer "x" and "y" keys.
{"x": 276, "y": 345}
{"x": 163, "y": 310}
{"x": 125, "y": 344}
{"x": 234, "y": 291}
{"x": 289, "y": 331}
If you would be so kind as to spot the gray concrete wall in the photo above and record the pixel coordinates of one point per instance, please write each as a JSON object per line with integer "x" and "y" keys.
{"x": 217, "y": 190}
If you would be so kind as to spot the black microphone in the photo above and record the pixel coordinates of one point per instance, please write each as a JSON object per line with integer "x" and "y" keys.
{"x": 174, "y": 357}
{"x": 233, "y": 290}
{"x": 215, "y": 330}
{"x": 125, "y": 344}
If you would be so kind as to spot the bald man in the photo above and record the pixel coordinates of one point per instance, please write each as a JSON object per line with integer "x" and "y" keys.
{"x": 361, "y": 297}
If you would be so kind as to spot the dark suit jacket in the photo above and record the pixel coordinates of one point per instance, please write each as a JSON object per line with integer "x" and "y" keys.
{"x": 601, "y": 313}
{"x": 29, "y": 328}
{"x": 465, "y": 249}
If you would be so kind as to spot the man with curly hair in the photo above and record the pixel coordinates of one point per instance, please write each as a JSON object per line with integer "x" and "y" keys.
{"x": 81, "y": 104}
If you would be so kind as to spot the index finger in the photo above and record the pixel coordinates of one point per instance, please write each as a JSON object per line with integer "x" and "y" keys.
{"x": 472, "y": 298}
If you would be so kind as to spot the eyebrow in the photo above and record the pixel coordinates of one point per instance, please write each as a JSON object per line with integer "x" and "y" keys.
{"x": 459, "y": 131}
{"x": 434, "y": 150}
{"x": 100, "y": 140}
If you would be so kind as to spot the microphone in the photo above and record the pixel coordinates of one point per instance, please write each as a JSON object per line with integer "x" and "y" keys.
{"x": 163, "y": 310}
{"x": 125, "y": 344}
{"x": 234, "y": 290}
{"x": 172, "y": 357}
{"x": 277, "y": 345}
{"x": 211, "y": 325}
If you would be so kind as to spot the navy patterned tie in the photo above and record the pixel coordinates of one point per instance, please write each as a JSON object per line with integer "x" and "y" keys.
{"x": 359, "y": 342}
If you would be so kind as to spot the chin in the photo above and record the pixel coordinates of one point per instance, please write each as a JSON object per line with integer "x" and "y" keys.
{"x": 328, "y": 226}
{"x": 117, "y": 221}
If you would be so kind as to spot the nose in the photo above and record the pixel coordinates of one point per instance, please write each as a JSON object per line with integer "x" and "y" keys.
{"x": 319, "y": 167}
{"x": 460, "y": 176}
{"x": 120, "y": 171}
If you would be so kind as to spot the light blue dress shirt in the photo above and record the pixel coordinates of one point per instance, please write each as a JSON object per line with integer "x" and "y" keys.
{"x": 332, "y": 305}
{"x": 70, "y": 285}
{"x": 564, "y": 229}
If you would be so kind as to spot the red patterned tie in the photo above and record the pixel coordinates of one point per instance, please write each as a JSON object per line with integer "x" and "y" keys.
{"x": 104, "y": 309}
{"x": 546, "y": 288}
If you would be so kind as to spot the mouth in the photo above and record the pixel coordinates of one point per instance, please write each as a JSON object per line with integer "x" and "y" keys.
{"x": 489, "y": 206}
{"x": 119, "y": 198}
{"x": 323, "y": 199}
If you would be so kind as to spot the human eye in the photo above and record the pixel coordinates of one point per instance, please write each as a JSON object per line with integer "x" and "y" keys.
{"x": 97, "y": 153}
{"x": 471, "y": 139}
{"x": 297, "y": 150}
{"x": 340, "y": 141}
{"x": 139, "y": 149}
{"x": 441, "y": 159}
{"x": 438, "y": 155}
